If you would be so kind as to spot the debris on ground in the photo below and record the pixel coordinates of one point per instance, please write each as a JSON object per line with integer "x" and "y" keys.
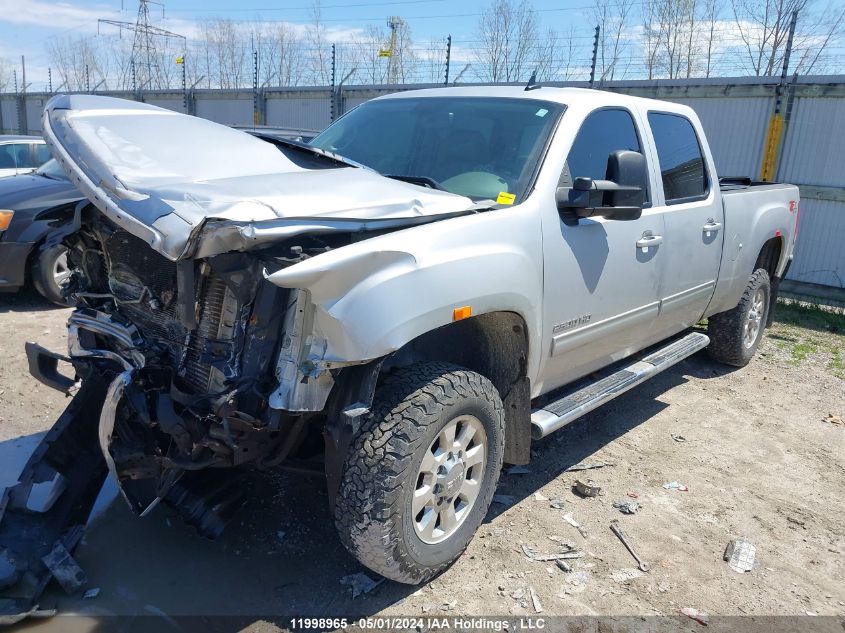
{"x": 568, "y": 518}
{"x": 614, "y": 526}
{"x": 558, "y": 504}
{"x": 740, "y": 555}
{"x": 633, "y": 495}
{"x": 677, "y": 437}
{"x": 65, "y": 569}
{"x": 449, "y": 606}
{"x": 91, "y": 593}
{"x": 626, "y": 507}
{"x": 539, "y": 496}
{"x": 833, "y": 419}
{"x": 35, "y": 612}
{"x": 626, "y": 575}
{"x": 535, "y": 600}
{"x": 360, "y": 583}
{"x": 517, "y": 470}
{"x": 578, "y": 579}
{"x": 505, "y": 500}
{"x": 674, "y": 485}
{"x": 563, "y": 565}
{"x": 587, "y": 488}
{"x": 793, "y": 522}
{"x": 569, "y": 552}
{"x": 588, "y": 466}
{"x": 518, "y": 594}
{"x": 694, "y": 614}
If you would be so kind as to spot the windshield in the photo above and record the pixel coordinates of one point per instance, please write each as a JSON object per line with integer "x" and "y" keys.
{"x": 473, "y": 146}
{"x": 51, "y": 169}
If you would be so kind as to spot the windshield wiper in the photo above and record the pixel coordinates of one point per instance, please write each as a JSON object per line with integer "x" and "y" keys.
{"x": 431, "y": 183}
{"x": 309, "y": 149}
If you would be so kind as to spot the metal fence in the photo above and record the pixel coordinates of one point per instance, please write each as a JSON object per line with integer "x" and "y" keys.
{"x": 735, "y": 113}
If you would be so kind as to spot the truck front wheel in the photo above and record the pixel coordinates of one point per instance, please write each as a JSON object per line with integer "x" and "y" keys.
{"x": 421, "y": 473}
{"x": 735, "y": 334}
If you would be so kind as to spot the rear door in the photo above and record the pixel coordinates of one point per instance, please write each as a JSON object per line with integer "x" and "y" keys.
{"x": 601, "y": 277}
{"x": 694, "y": 221}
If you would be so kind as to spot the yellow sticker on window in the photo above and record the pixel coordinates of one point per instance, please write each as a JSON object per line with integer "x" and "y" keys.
{"x": 506, "y": 198}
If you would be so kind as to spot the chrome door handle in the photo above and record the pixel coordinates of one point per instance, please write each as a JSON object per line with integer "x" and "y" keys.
{"x": 649, "y": 240}
{"x": 711, "y": 226}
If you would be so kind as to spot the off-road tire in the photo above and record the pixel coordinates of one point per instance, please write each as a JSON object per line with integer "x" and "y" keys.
{"x": 373, "y": 508}
{"x": 726, "y": 329}
{"x": 43, "y": 267}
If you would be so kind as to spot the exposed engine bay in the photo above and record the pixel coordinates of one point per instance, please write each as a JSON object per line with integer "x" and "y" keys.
{"x": 192, "y": 347}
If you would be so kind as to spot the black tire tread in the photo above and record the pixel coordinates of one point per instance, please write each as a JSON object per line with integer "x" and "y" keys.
{"x": 370, "y": 498}
{"x": 725, "y": 329}
{"x": 42, "y": 275}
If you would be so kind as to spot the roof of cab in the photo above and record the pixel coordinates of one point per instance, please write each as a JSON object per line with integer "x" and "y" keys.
{"x": 566, "y": 96}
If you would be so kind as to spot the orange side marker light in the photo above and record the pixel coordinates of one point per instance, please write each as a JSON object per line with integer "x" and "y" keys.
{"x": 464, "y": 312}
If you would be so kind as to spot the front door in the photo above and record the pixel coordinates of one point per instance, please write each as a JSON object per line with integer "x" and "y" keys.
{"x": 602, "y": 277}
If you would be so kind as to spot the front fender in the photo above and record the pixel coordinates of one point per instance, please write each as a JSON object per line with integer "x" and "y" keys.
{"x": 373, "y": 297}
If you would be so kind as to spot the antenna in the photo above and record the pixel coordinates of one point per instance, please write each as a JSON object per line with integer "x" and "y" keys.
{"x": 144, "y": 58}
{"x": 532, "y": 82}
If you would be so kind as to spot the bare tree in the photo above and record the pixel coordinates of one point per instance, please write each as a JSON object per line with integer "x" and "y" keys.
{"x": 507, "y": 30}
{"x": 763, "y": 26}
{"x": 614, "y": 17}
{"x": 712, "y": 9}
{"x": 78, "y": 62}
{"x": 320, "y": 57}
{"x": 223, "y": 53}
{"x": 280, "y": 55}
{"x": 5, "y": 75}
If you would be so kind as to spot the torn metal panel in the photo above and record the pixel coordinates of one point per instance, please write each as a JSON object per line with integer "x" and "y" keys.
{"x": 304, "y": 381}
{"x": 162, "y": 175}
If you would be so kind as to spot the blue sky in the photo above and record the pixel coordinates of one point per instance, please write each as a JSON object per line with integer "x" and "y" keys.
{"x": 26, "y": 25}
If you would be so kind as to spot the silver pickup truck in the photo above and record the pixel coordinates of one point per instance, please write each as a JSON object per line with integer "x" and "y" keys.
{"x": 435, "y": 281}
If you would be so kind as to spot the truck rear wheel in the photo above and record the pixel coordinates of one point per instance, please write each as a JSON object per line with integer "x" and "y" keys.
{"x": 736, "y": 334}
{"x": 421, "y": 473}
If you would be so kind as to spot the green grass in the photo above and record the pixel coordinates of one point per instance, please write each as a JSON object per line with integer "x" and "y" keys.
{"x": 804, "y": 330}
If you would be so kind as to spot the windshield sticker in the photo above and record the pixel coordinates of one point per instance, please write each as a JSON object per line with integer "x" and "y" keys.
{"x": 541, "y": 112}
{"x": 506, "y": 198}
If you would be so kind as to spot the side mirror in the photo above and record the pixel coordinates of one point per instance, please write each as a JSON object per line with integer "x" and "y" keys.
{"x": 619, "y": 197}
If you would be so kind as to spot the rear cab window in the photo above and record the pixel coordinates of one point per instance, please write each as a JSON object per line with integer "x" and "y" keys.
{"x": 682, "y": 166}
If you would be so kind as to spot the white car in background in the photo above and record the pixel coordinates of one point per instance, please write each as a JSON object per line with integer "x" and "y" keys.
{"x": 22, "y": 154}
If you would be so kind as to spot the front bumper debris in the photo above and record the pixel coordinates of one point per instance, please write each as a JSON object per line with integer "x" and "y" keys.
{"x": 46, "y": 511}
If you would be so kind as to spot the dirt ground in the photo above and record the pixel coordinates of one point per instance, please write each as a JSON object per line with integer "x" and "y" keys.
{"x": 758, "y": 458}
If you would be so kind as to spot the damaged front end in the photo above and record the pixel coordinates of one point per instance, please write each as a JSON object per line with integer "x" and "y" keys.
{"x": 183, "y": 372}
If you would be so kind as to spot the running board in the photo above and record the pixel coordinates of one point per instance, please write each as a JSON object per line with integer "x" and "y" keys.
{"x": 557, "y": 414}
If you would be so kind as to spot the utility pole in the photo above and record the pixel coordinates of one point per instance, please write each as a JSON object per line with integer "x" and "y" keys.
{"x": 23, "y": 74}
{"x": 182, "y": 61}
{"x": 17, "y": 101}
{"x": 774, "y": 134}
{"x": 448, "y": 58}
{"x": 144, "y": 50}
{"x": 256, "y": 115}
{"x": 331, "y": 114}
{"x": 134, "y": 80}
{"x": 49, "y": 80}
{"x": 595, "y": 55}
{"x": 87, "y": 79}
{"x": 392, "y": 67}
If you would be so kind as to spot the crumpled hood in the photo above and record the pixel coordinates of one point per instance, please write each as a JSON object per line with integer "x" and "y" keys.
{"x": 191, "y": 187}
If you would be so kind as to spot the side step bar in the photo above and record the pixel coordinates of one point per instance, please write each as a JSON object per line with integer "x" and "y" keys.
{"x": 555, "y": 415}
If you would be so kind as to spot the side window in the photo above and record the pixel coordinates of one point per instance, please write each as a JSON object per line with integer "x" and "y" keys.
{"x": 22, "y": 155}
{"x": 7, "y": 156}
{"x": 602, "y": 133}
{"x": 42, "y": 154}
{"x": 681, "y": 161}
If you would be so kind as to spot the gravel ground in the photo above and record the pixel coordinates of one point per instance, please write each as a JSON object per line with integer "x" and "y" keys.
{"x": 762, "y": 457}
